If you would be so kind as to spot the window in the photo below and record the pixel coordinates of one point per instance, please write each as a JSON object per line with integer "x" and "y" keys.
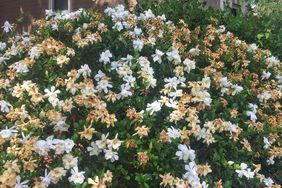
{"x": 59, "y": 5}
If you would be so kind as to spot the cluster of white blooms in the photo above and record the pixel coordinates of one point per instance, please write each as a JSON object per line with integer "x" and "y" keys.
{"x": 191, "y": 175}
{"x": 108, "y": 146}
{"x": 252, "y": 112}
{"x": 42, "y": 147}
{"x": 226, "y": 86}
{"x": 119, "y": 15}
{"x": 245, "y": 171}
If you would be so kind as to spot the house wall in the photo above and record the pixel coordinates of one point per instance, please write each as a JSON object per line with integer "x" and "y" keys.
{"x": 10, "y": 10}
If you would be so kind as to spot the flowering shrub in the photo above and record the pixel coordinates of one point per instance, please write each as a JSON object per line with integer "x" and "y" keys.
{"x": 124, "y": 100}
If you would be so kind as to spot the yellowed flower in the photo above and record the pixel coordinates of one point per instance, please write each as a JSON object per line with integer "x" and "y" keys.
{"x": 167, "y": 180}
{"x": 142, "y": 157}
{"x": 142, "y": 131}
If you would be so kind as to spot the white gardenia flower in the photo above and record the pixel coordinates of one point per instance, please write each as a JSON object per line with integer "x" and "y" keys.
{"x": 189, "y": 65}
{"x": 175, "y": 94}
{"x": 76, "y": 176}
{"x": 171, "y": 103}
{"x": 153, "y": 107}
{"x": 173, "y": 133}
{"x": 270, "y": 161}
{"x": 105, "y": 57}
{"x": 129, "y": 80}
{"x": 248, "y": 173}
{"x": 138, "y": 45}
{"x": 111, "y": 155}
{"x": 264, "y": 96}
{"x": 5, "y": 106}
{"x": 224, "y": 82}
{"x": 194, "y": 51}
{"x": 60, "y": 125}
{"x": 266, "y": 142}
{"x": 20, "y": 184}
{"x": 55, "y": 27}
{"x": 206, "y": 82}
{"x": 103, "y": 85}
{"x": 102, "y": 144}
{"x": 236, "y": 89}
{"x": 3, "y": 59}
{"x": 69, "y": 161}
{"x": 42, "y": 148}
{"x": 2, "y": 46}
{"x": 268, "y": 182}
{"x": 7, "y": 27}
{"x": 69, "y": 144}
{"x": 34, "y": 52}
{"x": 147, "y": 14}
{"x": 7, "y": 133}
{"x": 93, "y": 149}
{"x": 245, "y": 171}
{"x": 20, "y": 67}
{"x": 253, "y": 47}
{"x": 272, "y": 61}
{"x": 99, "y": 75}
{"x": 185, "y": 153}
{"x": 46, "y": 179}
{"x": 52, "y": 95}
{"x": 265, "y": 75}
{"x": 174, "y": 56}
{"x": 157, "y": 57}
{"x": 14, "y": 50}
{"x": 114, "y": 143}
{"x": 191, "y": 175}
{"x": 253, "y": 107}
{"x": 243, "y": 166}
{"x": 171, "y": 82}
{"x": 85, "y": 71}
{"x": 125, "y": 91}
{"x": 137, "y": 31}
{"x": 49, "y": 13}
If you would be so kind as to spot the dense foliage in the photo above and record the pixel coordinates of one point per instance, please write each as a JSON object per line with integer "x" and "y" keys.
{"x": 124, "y": 100}
{"x": 262, "y": 23}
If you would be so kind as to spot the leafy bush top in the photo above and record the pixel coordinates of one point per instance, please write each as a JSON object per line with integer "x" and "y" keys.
{"x": 123, "y": 100}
